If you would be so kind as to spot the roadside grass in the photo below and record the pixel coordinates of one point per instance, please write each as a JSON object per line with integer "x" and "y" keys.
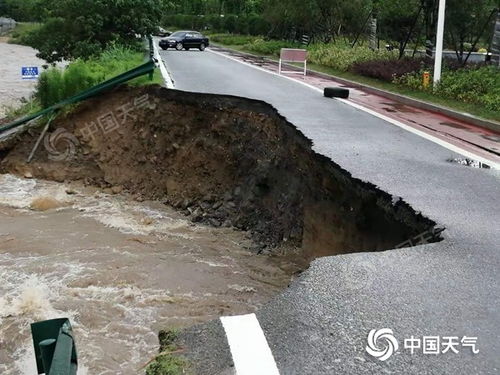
{"x": 457, "y": 105}
{"x": 26, "y": 107}
{"x": 57, "y": 84}
{"x": 168, "y": 362}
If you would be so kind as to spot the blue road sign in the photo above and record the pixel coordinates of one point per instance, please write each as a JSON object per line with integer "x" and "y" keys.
{"x": 29, "y": 72}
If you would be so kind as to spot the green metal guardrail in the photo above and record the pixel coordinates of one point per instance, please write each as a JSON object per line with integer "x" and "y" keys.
{"x": 55, "y": 350}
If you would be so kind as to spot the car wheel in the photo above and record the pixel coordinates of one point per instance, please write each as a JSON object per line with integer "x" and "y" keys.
{"x": 186, "y": 48}
{"x": 336, "y": 92}
{"x": 179, "y": 47}
{"x": 164, "y": 48}
{"x": 202, "y": 47}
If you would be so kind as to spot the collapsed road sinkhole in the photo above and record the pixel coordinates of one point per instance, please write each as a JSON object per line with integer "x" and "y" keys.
{"x": 221, "y": 160}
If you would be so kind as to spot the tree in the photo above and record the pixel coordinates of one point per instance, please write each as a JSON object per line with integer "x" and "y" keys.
{"x": 321, "y": 19}
{"x": 398, "y": 21}
{"x": 466, "y": 22}
{"x": 22, "y": 10}
{"x": 84, "y": 28}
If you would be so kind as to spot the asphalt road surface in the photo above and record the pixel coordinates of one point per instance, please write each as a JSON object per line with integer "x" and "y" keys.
{"x": 320, "y": 324}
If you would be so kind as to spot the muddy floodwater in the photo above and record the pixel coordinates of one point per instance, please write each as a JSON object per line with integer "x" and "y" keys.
{"x": 12, "y": 87}
{"x": 120, "y": 270}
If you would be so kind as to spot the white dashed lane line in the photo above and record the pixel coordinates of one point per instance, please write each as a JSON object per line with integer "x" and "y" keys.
{"x": 249, "y": 347}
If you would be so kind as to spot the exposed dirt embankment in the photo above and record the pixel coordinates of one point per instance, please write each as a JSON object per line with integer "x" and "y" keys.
{"x": 224, "y": 161}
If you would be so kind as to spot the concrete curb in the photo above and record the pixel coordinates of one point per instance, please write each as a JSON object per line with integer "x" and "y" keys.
{"x": 162, "y": 65}
{"x": 461, "y": 116}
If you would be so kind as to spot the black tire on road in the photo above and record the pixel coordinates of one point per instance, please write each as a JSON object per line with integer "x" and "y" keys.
{"x": 164, "y": 48}
{"x": 202, "y": 47}
{"x": 179, "y": 47}
{"x": 336, "y": 92}
{"x": 186, "y": 48}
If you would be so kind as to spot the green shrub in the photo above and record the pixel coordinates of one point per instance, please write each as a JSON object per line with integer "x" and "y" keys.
{"x": 22, "y": 33}
{"x": 341, "y": 57}
{"x": 479, "y": 85}
{"x": 168, "y": 362}
{"x": 26, "y": 107}
{"x": 232, "y": 39}
{"x": 167, "y": 365}
{"x": 388, "y": 70}
{"x": 57, "y": 84}
{"x": 50, "y": 87}
{"x": 269, "y": 47}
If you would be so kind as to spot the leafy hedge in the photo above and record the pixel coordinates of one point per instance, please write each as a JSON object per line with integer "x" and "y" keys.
{"x": 388, "y": 70}
{"x": 342, "y": 57}
{"x": 232, "y": 39}
{"x": 269, "y": 47}
{"x": 479, "y": 85}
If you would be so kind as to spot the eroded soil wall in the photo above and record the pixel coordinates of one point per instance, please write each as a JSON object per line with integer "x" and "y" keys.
{"x": 225, "y": 161}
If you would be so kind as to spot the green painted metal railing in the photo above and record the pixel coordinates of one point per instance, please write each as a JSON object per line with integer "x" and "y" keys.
{"x": 55, "y": 350}
{"x": 146, "y": 68}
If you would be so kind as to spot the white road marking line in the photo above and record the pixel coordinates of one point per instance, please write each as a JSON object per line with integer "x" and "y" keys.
{"x": 249, "y": 348}
{"x": 420, "y": 133}
{"x": 163, "y": 68}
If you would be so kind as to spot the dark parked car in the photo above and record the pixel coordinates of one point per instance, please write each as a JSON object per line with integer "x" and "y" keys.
{"x": 185, "y": 40}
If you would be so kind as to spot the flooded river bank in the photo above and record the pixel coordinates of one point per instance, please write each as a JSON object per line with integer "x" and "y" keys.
{"x": 12, "y": 87}
{"x": 120, "y": 270}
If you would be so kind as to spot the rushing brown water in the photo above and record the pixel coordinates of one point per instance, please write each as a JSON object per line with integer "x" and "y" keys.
{"x": 120, "y": 270}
